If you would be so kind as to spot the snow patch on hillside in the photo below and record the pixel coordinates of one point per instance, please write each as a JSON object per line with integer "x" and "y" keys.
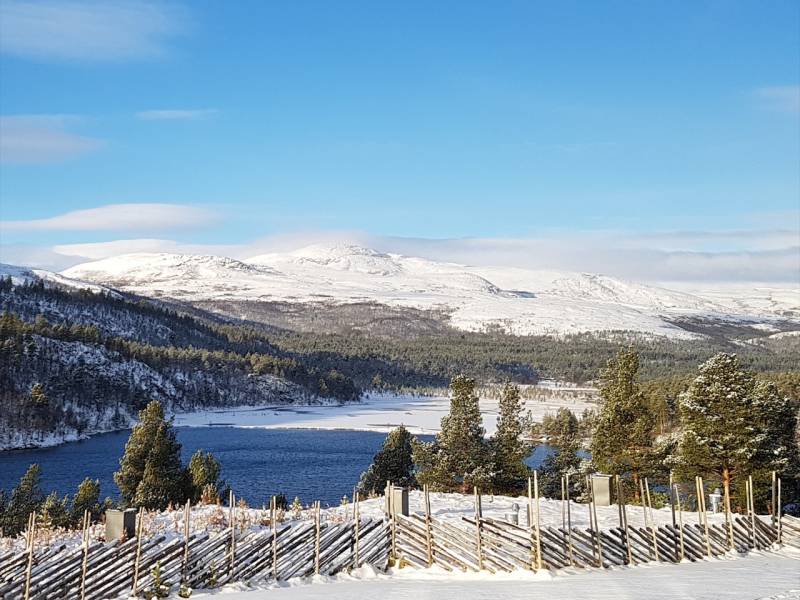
{"x": 515, "y": 300}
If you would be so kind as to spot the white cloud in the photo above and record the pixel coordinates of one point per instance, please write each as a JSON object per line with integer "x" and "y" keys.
{"x": 176, "y": 114}
{"x": 32, "y": 139}
{"x": 119, "y": 217}
{"x": 781, "y": 98}
{"x": 87, "y": 31}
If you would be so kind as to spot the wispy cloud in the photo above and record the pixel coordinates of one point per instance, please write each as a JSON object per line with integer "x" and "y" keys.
{"x": 176, "y": 114}
{"x": 120, "y": 217}
{"x": 781, "y": 98}
{"x": 31, "y": 139}
{"x": 79, "y": 30}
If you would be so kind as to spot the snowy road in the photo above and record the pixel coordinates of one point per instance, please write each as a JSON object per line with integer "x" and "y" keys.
{"x": 760, "y": 575}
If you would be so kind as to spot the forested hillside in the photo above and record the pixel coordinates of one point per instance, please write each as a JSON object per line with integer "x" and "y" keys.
{"x": 74, "y": 361}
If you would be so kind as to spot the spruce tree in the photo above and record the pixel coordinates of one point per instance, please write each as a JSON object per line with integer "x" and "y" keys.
{"x": 735, "y": 425}
{"x": 86, "y": 498}
{"x": 204, "y": 470}
{"x": 164, "y": 480}
{"x": 622, "y": 440}
{"x": 393, "y": 463}
{"x": 152, "y": 453}
{"x": 25, "y": 498}
{"x": 459, "y": 458}
{"x": 563, "y": 433}
{"x": 508, "y": 446}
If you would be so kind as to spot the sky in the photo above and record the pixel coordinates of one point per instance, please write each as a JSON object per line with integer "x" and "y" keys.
{"x": 653, "y": 141}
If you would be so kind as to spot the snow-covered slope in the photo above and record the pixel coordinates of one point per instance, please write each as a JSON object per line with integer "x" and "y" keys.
{"x": 516, "y": 300}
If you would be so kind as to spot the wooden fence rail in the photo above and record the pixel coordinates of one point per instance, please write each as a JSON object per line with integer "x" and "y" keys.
{"x": 95, "y": 571}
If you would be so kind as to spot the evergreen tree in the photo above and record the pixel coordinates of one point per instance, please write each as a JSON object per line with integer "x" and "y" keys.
{"x": 508, "y": 446}
{"x": 164, "y": 480}
{"x": 459, "y": 457}
{"x": 735, "y": 425}
{"x": 86, "y": 498}
{"x": 393, "y": 463}
{"x": 622, "y": 440}
{"x": 204, "y": 470}
{"x": 563, "y": 433}
{"x": 151, "y": 473}
{"x": 25, "y": 498}
{"x": 54, "y": 512}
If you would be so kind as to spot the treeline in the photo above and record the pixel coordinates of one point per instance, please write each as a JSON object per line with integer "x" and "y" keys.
{"x": 151, "y": 476}
{"x": 728, "y": 424}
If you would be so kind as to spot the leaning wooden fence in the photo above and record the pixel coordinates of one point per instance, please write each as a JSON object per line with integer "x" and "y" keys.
{"x": 98, "y": 570}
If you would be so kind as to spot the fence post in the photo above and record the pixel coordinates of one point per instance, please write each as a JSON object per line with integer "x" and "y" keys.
{"x": 652, "y": 521}
{"x": 780, "y": 514}
{"x": 536, "y": 522}
{"x": 316, "y": 537}
{"x": 187, "y": 516}
{"x": 478, "y": 517}
{"x": 569, "y": 521}
{"x": 273, "y": 519}
{"x": 674, "y": 521}
{"x": 623, "y": 513}
{"x": 753, "y": 513}
{"x": 357, "y": 519}
{"x": 31, "y": 546}
{"x": 232, "y": 519}
{"x": 428, "y": 533}
{"x": 135, "y": 585}
{"x": 85, "y": 540}
{"x": 680, "y": 521}
{"x": 593, "y": 521}
{"x": 703, "y": 513}
{"x": 772, "y": 507}
{"x": 726, "y": 488}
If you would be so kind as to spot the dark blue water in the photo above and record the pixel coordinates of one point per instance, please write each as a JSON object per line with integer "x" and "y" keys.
{"x": 256, "y": 463}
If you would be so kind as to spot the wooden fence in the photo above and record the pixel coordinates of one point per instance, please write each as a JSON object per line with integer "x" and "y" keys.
{"x": 283, "y": 551}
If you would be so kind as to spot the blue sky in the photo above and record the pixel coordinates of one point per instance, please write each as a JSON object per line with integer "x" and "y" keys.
{"x": 653, "y": 127}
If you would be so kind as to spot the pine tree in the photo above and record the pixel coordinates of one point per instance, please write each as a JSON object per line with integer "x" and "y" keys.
{"x": 622, "y": 440}
{"x": 25, "y": 498}
{"x": 164, "y": 480}
{"x": 394, "y": 462}
{"x": 459, "y": 457}
{"x": 734, "y": 424}
{"x": 204, "y": 470}
{"x": 151, "y": 473}
{"x": 563, "y": 433}
{"x": 508, "y": 446}
{"x": 86, "y": 498}
{"x": 54, "y": 512}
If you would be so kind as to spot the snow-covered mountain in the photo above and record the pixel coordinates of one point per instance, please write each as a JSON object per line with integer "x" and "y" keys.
{"x": 476, "y": 298}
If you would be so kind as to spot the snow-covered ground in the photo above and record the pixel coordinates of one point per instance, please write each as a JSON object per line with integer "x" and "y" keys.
{"x": 518, "y": 300}
{"x": 377, "y": 412}
{"x": 759, "y": 575}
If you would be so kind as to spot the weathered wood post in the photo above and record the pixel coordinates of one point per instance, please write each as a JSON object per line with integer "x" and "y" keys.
{"x": 273, "y": 519}
{"x": 85, "y": 547}
{"x": 137, "y": 560}
{"x": 674, "y": 520}
{"x": 232, "y": 519}
{"x": 187, "y": 516}
{"x": 31, "y": 543}
{"x": 780, "y": 514}
{"x": 593, "y": 521}
{"x": 680, "y": 521}
{"x": 752, "y": 512}
{"x": 623, "y": 515}
{"x": 772, "y": 508}
{"x": 536, "y": 523}
{"x": 478, "y": 517}
{"x": 357, "y": 519}
{"x": 317, "y": 528}
{"x": 728, "y": 521}
{"x": 569, "y": 522}
{"x": 428, "y": 533}
{"x": 704, "y": 513}
{"x": 392, "y": 519}
{"x": 652, "y": 521}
